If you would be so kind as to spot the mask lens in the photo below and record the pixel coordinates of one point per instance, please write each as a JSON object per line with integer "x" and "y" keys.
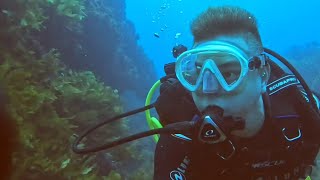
{"x": 225, "y": 66}
{"x": 230, "y": 69}
{"x": 190, "y": 72}
{"x": 228, "y": 65}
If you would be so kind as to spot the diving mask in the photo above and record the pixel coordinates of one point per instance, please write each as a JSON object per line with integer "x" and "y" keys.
{"x": 214, "y": 63}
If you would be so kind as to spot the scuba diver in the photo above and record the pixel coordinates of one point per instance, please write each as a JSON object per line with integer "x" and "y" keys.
{"x": 178, "y": 49}
{"x": 253, "y": 117}
{"x": 227, "y": 110}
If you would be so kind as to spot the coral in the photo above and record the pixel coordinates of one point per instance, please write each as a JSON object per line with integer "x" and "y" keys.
{"x": 87, "y": 100}
{"x": 74, "y": 9}
{"x": 125, "y": 60}
{"x": 113, "y": 176}
{"x": 44, "y": 131}
{"x": 52, "y": 103}
{"x": 26, "y": 16}
{"x": 100, "y": 9}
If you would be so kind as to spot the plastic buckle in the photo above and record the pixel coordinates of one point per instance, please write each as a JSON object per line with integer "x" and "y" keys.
{"x": 230, "y": 155}
{"x": 291, "y": 139}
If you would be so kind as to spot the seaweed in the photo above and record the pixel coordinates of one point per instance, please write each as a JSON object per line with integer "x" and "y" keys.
{"x": 52, "y": 103}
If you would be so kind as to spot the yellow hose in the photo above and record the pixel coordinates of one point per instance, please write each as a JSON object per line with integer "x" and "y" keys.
{"x": 153, "y": 122}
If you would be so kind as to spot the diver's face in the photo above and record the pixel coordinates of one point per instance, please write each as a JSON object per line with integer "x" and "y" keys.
{"x": 245, "y": 96}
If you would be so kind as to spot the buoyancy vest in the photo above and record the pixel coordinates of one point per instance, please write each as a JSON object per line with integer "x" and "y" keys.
{"x": 287, "y": 151}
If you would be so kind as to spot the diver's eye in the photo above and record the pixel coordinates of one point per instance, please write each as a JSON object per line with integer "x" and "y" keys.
{"x": 198, "y": 68}
{"x": 230, "y": 77}
{"x": 228, "y": 74}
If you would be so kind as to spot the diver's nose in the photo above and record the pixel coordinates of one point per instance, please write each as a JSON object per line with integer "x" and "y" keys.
{"x": 210, "y": 83}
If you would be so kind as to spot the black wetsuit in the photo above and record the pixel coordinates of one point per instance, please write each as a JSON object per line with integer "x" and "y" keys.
{"x": 274, "y": 153}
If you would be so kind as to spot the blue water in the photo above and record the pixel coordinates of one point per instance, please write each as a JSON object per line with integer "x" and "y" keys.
{"x": 104, "y": 43}
{"x": 282, "y": 25}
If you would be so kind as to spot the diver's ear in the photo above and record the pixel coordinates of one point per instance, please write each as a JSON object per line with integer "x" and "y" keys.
{"x": 265, "y": 75}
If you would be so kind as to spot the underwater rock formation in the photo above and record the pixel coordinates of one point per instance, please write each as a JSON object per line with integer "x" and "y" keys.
{"x": 54, "y": 94}
{"x": 105, "y": 43}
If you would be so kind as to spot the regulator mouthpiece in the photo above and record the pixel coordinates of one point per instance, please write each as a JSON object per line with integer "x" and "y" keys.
{"x": 215, "y": 128}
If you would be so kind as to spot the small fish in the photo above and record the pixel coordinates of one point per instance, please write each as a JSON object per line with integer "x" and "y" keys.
{"x": 156, "y": 35}
{"x": 177, "y": 35}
